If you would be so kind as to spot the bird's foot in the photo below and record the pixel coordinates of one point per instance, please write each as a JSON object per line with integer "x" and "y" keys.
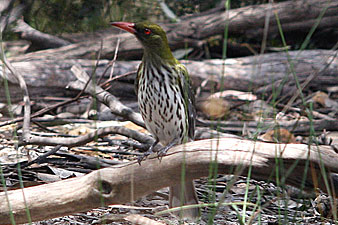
{"x": 147, "y": 153}
{"x": 163, "y": 151}
{"x": 144, "y": 156}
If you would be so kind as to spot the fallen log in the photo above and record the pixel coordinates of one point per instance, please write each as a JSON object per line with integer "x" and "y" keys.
{"x": 251, "y": 73}
{"x": 296, "y": 17}
{"x": 120, "y": 184}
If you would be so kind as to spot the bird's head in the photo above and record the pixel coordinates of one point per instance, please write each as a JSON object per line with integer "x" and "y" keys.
{"x": 152, "y": 37}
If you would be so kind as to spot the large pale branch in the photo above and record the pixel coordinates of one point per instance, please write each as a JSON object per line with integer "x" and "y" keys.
{"x": 122, "y": 183}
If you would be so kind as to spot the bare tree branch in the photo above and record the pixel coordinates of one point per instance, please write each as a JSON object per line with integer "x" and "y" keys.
{"x": 103, "y": 96}
{"x": 115, "y": 185}
{"x": 12, "y": 14}
{"x": 81, "y": 140}
{"x": 42, "y": 40}
{"x": 23, "y": 86}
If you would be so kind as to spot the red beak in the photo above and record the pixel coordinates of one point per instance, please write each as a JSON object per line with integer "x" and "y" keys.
{"x": 130, "y": 27}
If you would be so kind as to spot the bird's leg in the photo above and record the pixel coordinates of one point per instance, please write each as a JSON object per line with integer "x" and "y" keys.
{"x": 163, "y": 151}
{"x": 150, "y": 150}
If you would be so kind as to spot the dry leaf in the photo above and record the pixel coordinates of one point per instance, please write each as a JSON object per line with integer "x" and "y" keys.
{"x": 279, "y": 136}
{"x": 215, "y": 108}
{"x": 323, "y": 99}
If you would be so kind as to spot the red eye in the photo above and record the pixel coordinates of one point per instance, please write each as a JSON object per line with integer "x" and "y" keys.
{"x": 147, "y": 31}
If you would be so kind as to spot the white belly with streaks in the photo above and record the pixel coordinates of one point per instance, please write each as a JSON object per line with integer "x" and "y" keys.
{"x": 164, "y": 117}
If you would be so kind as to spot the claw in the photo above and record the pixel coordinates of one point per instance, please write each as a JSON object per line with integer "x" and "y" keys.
{"x": 163, "y": 151}
{"x": 142, "y": 157}
{"x": 160, "y": 153}
{"x": 147, "y": 153}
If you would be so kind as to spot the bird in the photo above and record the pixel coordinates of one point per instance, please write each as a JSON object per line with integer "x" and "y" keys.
{"x": 166, "y": 102}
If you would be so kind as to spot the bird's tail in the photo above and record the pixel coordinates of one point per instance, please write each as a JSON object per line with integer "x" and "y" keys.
{"x": 179, "y": 197}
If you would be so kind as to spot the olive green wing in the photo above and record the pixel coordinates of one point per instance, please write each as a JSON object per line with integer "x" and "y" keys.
{"x": 140, "y": 71}
{"x": 189, "y": 97}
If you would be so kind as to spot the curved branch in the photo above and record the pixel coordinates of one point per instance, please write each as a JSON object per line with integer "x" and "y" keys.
{"x": 114, "y": 185}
